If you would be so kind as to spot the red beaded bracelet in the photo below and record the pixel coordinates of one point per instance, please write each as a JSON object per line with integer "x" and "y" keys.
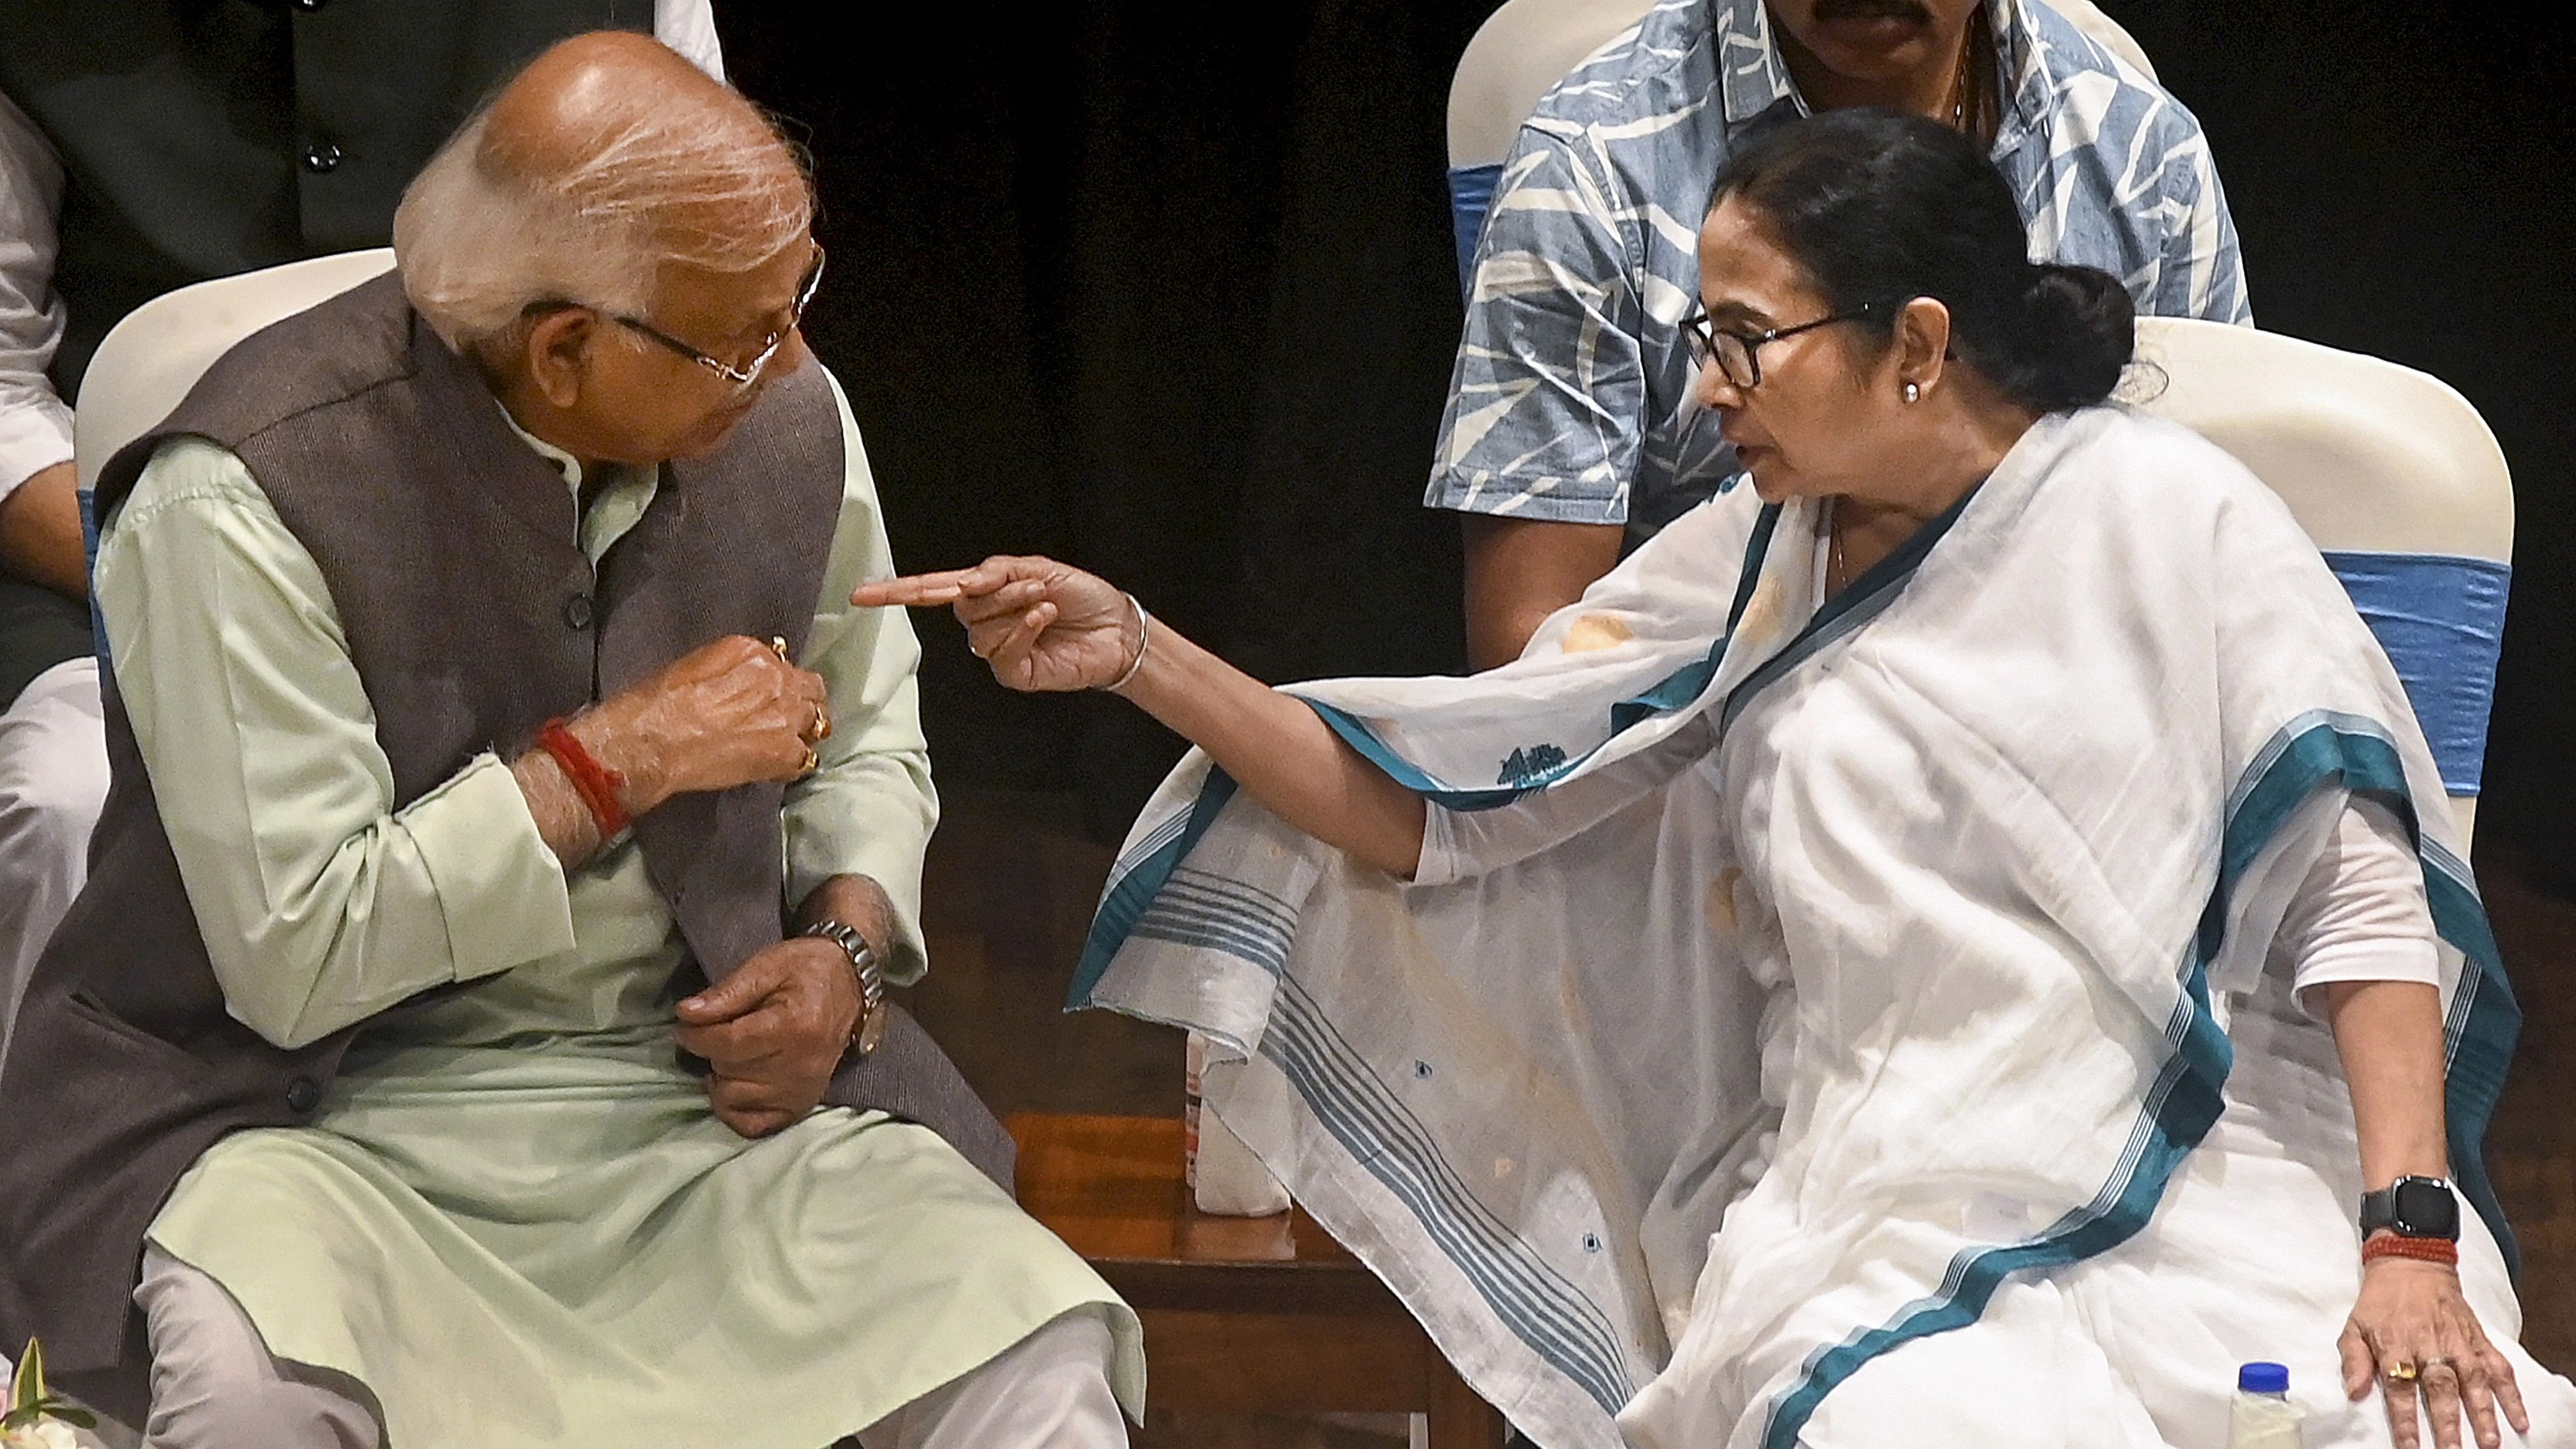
{"x": 597, "y": 784}
{"x": 2385, "y": 1244}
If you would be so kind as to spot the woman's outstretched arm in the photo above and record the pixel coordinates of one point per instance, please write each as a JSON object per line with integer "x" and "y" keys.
{"x": 1044, "y": 625}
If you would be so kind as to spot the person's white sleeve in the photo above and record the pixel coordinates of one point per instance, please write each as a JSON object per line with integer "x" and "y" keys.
{"x": 689, "y": 27}
{"x": 1462, "y": 844}
{"x": 35, "y": 426}
{"x": 2360, "y": 915}
{"x": 868, "y": 808}
{"x": 320, "y": 902}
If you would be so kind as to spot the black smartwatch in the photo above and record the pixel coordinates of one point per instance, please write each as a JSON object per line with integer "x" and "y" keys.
{"x": 2413, "y": 1207}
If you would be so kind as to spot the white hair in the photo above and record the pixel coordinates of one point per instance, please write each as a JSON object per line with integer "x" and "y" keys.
{"x": 704, "y": 181}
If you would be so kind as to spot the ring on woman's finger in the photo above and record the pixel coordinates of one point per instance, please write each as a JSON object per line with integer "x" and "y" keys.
{"x": 811, "y": 760}
{"x": 2400, "y": 1372}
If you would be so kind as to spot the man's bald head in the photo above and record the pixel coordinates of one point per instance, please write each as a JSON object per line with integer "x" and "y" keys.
{"x": 608, "y": 160}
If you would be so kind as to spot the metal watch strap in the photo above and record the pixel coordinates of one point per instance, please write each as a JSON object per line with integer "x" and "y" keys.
{"x": 870, "y": 1027}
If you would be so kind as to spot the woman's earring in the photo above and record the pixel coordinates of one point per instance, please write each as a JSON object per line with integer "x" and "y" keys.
{"x": 1913, "y": 393}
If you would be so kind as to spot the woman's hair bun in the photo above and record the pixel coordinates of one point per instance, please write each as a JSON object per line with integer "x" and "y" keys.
{"x": 2079, "y": 330}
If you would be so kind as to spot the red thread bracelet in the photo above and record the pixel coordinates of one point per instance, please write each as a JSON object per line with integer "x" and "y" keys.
{"x": 2385, "y": 1244}
{"x": 595, "y": 783}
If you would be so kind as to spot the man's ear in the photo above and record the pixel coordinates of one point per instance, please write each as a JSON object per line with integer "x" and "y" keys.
{"x": 1922, "y": 344}
{"x": 557, "y": 354}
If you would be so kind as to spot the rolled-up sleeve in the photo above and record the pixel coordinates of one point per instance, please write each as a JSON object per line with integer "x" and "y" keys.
{"x": 35, "y": 426}
{"x": 1547, "y": 402}
{"x": 320, "y": 902}
{"x": 868, "y": 808}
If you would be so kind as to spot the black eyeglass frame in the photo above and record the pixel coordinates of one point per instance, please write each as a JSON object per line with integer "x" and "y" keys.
{"x": 1700, "y": 337}
{"x": 740, "y": 377}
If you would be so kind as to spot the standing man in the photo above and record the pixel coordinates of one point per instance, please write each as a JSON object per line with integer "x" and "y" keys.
{"x": 1570, "y": 433}
{"x": 146, "y": 145}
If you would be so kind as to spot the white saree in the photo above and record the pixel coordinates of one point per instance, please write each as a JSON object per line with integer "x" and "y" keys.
{"x": 1903, "y": 1062}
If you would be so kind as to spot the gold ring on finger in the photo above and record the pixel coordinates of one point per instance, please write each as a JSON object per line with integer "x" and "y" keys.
{"x": 778, "y": 646}
{"x": 812, "y": 760}
{"x": 2400, "y": 1372}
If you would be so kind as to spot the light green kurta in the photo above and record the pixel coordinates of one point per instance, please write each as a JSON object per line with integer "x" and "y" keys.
{"x": 515, "y": 1217}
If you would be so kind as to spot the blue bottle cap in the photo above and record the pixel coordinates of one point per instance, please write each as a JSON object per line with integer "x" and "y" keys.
{"x": 2263, "y": 1378}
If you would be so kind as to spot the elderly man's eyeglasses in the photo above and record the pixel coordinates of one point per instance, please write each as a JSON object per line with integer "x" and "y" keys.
{"x": 747, "y": 374}
{"x": 1739, "y": 354}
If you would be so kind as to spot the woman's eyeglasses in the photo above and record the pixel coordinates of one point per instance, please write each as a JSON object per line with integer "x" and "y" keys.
{"x": 1739, "y": 354}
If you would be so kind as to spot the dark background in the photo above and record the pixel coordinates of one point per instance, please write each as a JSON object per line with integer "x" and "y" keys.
{"x": 1168, "y": 291}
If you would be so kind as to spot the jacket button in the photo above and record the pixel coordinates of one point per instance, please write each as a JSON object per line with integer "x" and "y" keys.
{"x": 303, "y": 1095}
{"x": 322, "y": 158}
{"x": 577, "y": 611}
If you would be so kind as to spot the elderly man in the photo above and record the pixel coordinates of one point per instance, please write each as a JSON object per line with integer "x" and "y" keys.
{"x": 430, "y": 1063}
{"x": 1571, "y": 433}
{"x": 144, "y": 146}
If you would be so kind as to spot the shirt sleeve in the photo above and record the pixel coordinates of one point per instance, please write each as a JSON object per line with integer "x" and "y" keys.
{"x": 1547, "y": 402}
{"x": 2202, "y": 274}
{"x": 2360, "y": 915}
{"x": 868, "y": 808}
{"x": 321, "y": 903}
{"x": 35, "y": 426}
{"x": 1463, "y": 844}
{"x": 689, "y": 27}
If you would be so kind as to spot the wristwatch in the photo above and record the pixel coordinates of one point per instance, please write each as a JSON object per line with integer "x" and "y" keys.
{"x": 871, "y": 1025}
{"x": 2413, "y": 1207}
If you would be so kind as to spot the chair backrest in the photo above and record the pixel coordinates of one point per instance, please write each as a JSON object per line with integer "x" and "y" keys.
{"x": 2399, "y": 482}
{"x": 1527, "y": 46}
{"x": 147, "y": 363}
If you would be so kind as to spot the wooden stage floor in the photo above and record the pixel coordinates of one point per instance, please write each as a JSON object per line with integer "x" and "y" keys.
{"x": 1010, "y": 888}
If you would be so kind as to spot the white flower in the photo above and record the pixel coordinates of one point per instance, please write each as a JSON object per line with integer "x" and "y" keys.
{"x": 51, "y": 1434}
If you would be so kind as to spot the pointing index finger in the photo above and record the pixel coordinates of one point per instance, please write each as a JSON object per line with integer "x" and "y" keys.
{"x": 913, "y": 590}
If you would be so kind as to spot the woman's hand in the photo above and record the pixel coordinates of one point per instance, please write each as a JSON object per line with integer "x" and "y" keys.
{"x": 2412, "y": 1332}
{"x": 1042, "y": 625}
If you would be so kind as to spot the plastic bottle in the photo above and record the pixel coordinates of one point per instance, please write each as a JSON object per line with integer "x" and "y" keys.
{"x": 2263, "y": 1416}
{"x": 1224, "y": 1175}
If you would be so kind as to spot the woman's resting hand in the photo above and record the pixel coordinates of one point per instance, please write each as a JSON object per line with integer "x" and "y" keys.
{"x": 1042, "y": 625}
{"x": 2412, "y": 1314}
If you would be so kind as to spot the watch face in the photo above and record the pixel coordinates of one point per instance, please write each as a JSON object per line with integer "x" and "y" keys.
{"x": 2426, "y": 1210}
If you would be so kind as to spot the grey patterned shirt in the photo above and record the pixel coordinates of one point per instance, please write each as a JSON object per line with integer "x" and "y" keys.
{"x": 1571, "y": 397}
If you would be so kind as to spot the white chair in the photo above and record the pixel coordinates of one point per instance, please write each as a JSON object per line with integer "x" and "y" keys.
{"x": 147, "y": 363}
{"x": 2399, "y": 482}
{"x": 1523, "y": 49}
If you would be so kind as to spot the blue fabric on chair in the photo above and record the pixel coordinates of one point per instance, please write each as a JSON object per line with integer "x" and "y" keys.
{"x": 2441, "y": 619}
{"x": 1471, "y": 195}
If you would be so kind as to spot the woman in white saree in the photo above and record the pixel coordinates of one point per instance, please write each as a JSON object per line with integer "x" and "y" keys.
{"x": 1962, "y": 947}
